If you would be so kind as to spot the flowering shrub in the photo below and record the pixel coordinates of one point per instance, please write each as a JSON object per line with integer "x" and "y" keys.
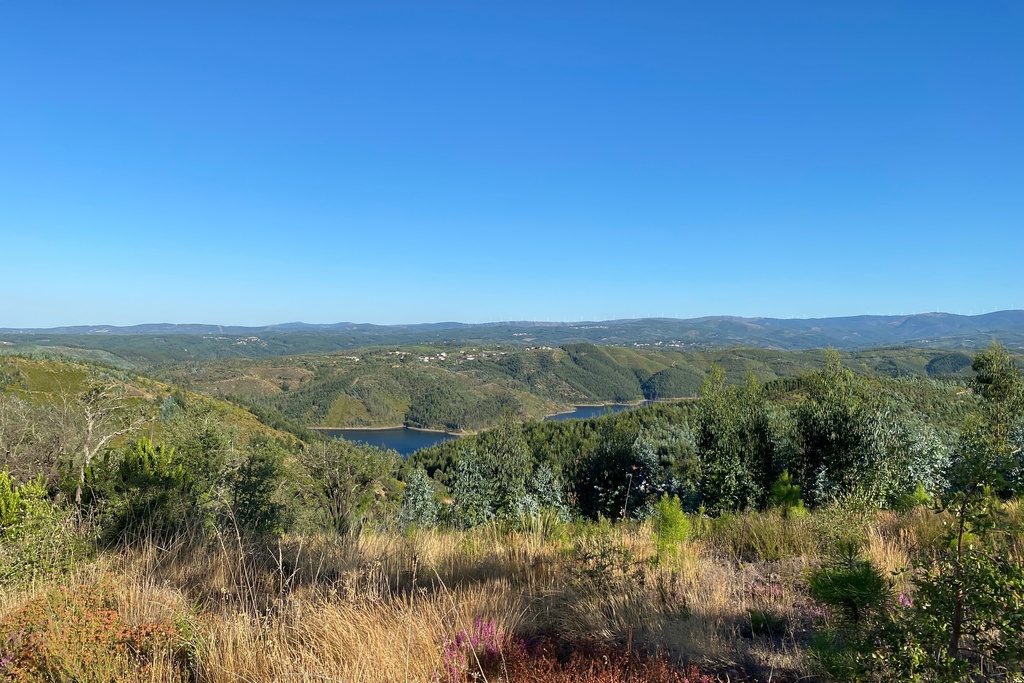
{"x": 78, "y": 636}
{"x": 472, "y": 652}
{"x": 483, "y": 654}
{"x": 546, "y": 661}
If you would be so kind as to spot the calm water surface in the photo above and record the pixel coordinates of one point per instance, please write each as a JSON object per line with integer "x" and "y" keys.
{"x": 588, "y": 412}
{"x": 404, "y": 440}
{"x": 407, "y": 441}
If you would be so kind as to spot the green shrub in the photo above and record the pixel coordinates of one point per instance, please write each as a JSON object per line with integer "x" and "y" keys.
{"x": 851, "y": 585}
{"x": 139, "y": 490}
{"x": 671, "y": 527}
{"x": 785, "y": 495}
{"x": 419, "y": 507}
{"x": 254, "y": 507}
{"x": 858, "y": 595}
{"x": 37, "y": 538}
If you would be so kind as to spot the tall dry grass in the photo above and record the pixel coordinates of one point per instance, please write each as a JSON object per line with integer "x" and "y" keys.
{"x": 384, "y": 607}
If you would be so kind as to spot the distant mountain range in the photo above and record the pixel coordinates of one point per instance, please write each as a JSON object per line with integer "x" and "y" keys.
{"x": 164, "y": 341}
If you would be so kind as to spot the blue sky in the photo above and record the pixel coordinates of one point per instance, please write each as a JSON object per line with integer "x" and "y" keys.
{"x": 262, "y": 162}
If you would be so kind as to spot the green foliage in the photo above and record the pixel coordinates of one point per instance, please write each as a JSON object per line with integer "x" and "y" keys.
{"x": 169, "y": 408}
{"x": 997, "y": 376}
{"x": 671, "y": 383}
{"x": 544, "y": 494}
{"x": 442, "y": 406}
{"x": 495, "y": 478}
{"x": 948, "y": 364}
{"x": 734, "y": 444}
{"x": 671, "y": 527}
{"x": 919, "y": 498}
{"x": 204, "y": 446}
{"x": 36, "y": 537}
{"x": 965, "y": 617}
{"x": 595, "y": 374}
{"x": 964, "y": 622}
{"x": 851, "y": 585}
{"x": 348, "y": 484}
{"x": 419, "y": 506}
{"x": 511, "y": 465}
{"x": 834, "y": 427}
{"x": 472, "y": 489}
{"x": 621, "y": 477}
{"x": 785, "y": 494}
{"x": 254, "y": 505}
{"x": 140, "y": 491}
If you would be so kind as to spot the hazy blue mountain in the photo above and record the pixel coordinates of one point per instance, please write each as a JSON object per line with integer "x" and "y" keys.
{"x": 164, "y": 341}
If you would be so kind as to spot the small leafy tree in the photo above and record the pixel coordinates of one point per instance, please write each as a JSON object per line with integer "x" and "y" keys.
{"x": 851, "y": 585}
{"x": 546, "y": 491}
{"x": 472, "y": 490}
{"x": 347, "y": 482}
{"x": 858, "y": 595}
{"x": 419, "y": 506}
{"x": 621, "y": 477}
{"x": 834, "y": 427}
{"x": 734, "y": 444}
{"x": 965, "y": 620}
{"x": 511, "y": 466}
{"x": 254, "y": 505}
{"x": 785, "y": 495}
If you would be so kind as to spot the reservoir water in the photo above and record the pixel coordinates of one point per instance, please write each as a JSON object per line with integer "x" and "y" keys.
{"x": 589, "y": 412}
{"x": 407, "y": 441}
{"x": 402, "y": 439}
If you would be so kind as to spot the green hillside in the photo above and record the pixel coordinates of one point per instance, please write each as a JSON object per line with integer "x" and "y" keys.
{"x": 53, "y": 382}
{"x": 466, "y": 388}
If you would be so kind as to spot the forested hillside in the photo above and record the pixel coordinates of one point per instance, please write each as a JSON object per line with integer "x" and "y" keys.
{"x": 465, "y": 388}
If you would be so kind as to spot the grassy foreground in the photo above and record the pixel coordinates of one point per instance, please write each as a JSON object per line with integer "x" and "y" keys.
{"x": 553, "y": 602}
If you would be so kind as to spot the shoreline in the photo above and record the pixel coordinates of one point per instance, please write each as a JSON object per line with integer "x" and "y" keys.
{"x": 634, "y": 404}
{"x": 384, "y": 429}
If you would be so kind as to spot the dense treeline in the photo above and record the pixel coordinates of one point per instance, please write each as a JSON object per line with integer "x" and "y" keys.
{"x": 830, "y": 433}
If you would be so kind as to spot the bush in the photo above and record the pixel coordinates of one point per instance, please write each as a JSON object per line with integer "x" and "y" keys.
{"x": 139, "y": 491}
{"x": 857, "y": 594}
{"x": 253, "y": 489}
{"x": 78, "y": 636}
{"x": 785, "y": 495}
{"x": 419, "y": 508}
{"x": 38, "y": 537}
{"x": 671, "y": 527}
{"x": 851, "y": 586}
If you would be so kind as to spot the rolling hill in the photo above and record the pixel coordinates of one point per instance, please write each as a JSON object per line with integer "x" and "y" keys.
{"x": 157, "y": 344}
{"x": 466, "y": 388}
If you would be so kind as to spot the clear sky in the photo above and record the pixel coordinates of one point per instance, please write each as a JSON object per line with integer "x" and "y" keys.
{"x": 260, "y": 162}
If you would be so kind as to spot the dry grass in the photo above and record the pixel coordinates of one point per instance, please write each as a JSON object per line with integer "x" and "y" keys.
{"x": 384, "y": 607}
